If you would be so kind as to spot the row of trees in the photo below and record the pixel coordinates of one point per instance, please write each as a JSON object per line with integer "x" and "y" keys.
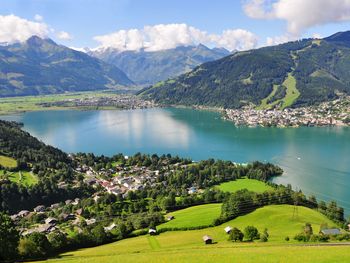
{"x": 243, "y": 202}
{"x": 250, "y": 233}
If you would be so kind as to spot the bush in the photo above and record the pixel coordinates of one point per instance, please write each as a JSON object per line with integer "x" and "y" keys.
{"x": 251, "y": 233}
{"x": 34, "y": 246}
{"x": 342, "y": 237}
{"x": 301, "y": 237}
{"x": 286, "y": 239}
{"x": 264, "y": 238}
{"x": 236, "y": 235}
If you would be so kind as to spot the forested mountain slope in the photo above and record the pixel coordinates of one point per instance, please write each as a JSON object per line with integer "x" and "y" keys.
{"x": 40, "y": 66}
{"x": 297, "y": 73}
{"x": 145, "y": 67}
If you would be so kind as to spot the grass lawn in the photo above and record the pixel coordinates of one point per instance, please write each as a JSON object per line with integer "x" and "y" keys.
{"x": 22, "y": 177}
{"x": 187, "y": 246}
{"x": 249, "y": 184}
{"x": 264, "y": 105}
{"x": 31, "y": 103}
{"x": 292, "y": 92}
{"x": 195, "y": 216}
{"x": 7, "y": 162}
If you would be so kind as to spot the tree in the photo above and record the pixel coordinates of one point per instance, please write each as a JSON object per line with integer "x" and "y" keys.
{"x": 58, "y": 240}
{"x": 236, "y": 235}
{"x": 27, "y": 248}
{"x": 99, "y": 235}
{"x": 308, "y": 229}
{"x": 35, "y": 246}
{"x": 251, "y": 233}
{"x": 9, "y": 238}
{"x": 264, "y": 237}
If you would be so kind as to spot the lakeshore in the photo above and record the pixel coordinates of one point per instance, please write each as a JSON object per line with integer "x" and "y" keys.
{"x": 333, "y": 113}
{"x": 306, "y": 154}
{"x": 104, "y": 100}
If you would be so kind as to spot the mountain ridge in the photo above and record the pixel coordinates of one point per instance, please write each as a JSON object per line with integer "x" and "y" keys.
{"x": 148, "y": 67}
{"x": 41, "y": 66}
{"x": 292, "y": 74}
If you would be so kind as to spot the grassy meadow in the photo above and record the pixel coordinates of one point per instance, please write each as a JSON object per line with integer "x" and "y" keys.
{"x": 32, "y": 103}
{"x": 7, "y": 162}
{"x": 195, "y": 216}
{"x": 22, "y": 177}
{"x": 187, "y": 246}
{"x": 292, "y": 92}
{"x": 245, "y": 183}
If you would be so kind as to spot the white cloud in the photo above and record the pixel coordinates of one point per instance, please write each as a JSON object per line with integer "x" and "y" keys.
{"x": 38, "y": 18}
{"x": 271, "y": 41}
{"x": 299, "y": 14}
{"x": 166, "y": 36}
{"x": 316, "y": 35}
{"x": 235, "y": 39}
{"x": 64, "y": 35}
{"x": 81, "y": 49}
{"x": 14, "y": 29}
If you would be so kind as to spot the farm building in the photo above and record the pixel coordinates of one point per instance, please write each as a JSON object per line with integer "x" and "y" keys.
{"x": 330, "y": 231}
{"x": 152, "y": 231}
{"x": 228, "y": 229}
{"x": 207, "y": 239}
{"x": 51, "y": 221}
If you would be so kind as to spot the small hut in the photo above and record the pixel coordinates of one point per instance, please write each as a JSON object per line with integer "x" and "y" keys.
{"x": 207, "y": 239}
{"x": 228, "y": 229}
{"x": 330, "y": 232}
{"x": 152, "y": 231}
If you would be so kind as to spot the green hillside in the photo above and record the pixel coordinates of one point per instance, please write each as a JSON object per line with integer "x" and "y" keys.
{"x": 147, "y": 68}
{"x": 195, "y": 216}
{"x": 7, "y": 162}
{"x": 249, "y": 184}
{"x": 40, "y": 66}
{"x": 297, "y": 73}
{"x": 187, "y": 246}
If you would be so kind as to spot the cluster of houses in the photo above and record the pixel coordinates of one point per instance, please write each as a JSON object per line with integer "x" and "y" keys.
{"x": 120, "y": 180}
{"x": 334, "y": 113}
{"x": 50, "y": 223}
{"x": 122, "y": 101}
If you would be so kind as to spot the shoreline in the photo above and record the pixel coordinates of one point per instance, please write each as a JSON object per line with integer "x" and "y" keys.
{"x": 322, "y": 115}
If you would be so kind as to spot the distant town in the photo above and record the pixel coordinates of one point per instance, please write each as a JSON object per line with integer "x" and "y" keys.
{"x": 120, "y": 101}
{"x": 333, "y": 113}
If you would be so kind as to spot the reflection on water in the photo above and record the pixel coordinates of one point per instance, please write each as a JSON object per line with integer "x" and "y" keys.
{"x": 316, "y": 160}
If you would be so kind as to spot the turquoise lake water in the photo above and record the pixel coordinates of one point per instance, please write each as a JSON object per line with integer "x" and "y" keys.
{"x": 315, "y": 160}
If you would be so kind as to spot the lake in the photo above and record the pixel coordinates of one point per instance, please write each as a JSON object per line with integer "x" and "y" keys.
{"x": 315, "y": 160}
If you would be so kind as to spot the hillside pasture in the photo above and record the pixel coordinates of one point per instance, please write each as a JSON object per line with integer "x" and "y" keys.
{"x": 245, "y": 183}
{"x": 195, "y": 216}
{"x": 7, "y": 162}
{"x": 187, "y": 246}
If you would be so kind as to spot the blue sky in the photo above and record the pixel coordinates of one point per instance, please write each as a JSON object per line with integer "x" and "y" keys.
{"x": 85, "y": 19}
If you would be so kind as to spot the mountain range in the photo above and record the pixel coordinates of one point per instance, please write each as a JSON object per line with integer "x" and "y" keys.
{"x": 293, "y": 74}
{"x": 40, "y": 66}
{"x": 146, "y": 68}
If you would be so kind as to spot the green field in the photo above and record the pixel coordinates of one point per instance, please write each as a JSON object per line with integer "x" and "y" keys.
{"x": 31, "y": 103}
{"x": 195, "y": 216}
{"x": 264, "y": 105}
{"x": 7, "y": 162}
{"x": 187, "y": 246}
{"x": 292, "y": 92}
{"x": 249, "y": 184}
{"x": 21, "y": 177}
